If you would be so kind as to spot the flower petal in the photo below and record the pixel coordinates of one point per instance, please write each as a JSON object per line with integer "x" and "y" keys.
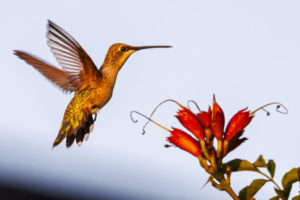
{"x": 191, "y": 122}
{"x": 217, "y": 120}
{"x": 237, "y": 123}
{"x": 205, "y": 118}
{"x": 185, "y": 142}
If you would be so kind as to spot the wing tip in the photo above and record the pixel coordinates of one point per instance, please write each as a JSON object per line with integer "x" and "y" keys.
{"x": 50, "y": 23}
{"x": 17, "y": 52}
{"x": 21, "y": 54}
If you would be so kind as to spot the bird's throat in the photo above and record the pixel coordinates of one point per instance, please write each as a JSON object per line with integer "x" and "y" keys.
{"x": 110, "y": 74}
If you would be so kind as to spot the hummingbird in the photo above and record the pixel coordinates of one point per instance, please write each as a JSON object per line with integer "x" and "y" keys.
{"x": 93, "y": 87}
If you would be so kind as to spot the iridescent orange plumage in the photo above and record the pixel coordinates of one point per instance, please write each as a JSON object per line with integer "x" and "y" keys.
{"x": 93, "y": 87}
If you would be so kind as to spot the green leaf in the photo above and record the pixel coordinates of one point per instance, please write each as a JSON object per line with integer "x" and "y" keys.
{"x": 287, "y": 191}
{"x": 252, "y": 189}
{"x": 275, "y": 198}
{"x": 284, "y": 194}
{"x": 260, "y": 162}
{"x": 240, "y": 165}
{"x": 290, "y": 177}
{"x": 271, "y": 167}
{"x": 296, "y": 197}
{"x": 287, "y": 182}
{"x": 280, "y": 193}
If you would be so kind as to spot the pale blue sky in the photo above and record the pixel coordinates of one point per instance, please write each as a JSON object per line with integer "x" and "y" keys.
{"x": 246, "y": 52}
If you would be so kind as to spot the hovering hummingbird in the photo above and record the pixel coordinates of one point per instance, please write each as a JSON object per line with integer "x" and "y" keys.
{"x": 93, "y": 87}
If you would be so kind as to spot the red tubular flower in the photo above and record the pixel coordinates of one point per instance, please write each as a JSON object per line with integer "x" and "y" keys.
{"x": 237, "y": 123}
{"x": 205, "y": 126}
{"x": 217, "y": 120}
{"x": 205, "y": 118}
{"x": 185, "y": 142}
{"x": 191, "y": 122}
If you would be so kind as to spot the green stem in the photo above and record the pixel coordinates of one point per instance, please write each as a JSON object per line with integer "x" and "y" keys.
{"x": 269, "y": 178}
{"x": 225, "y": 185}
{"x": 229, "y": 190}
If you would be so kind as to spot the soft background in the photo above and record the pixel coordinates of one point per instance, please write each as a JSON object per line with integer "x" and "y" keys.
{"x": 246, "y": 52}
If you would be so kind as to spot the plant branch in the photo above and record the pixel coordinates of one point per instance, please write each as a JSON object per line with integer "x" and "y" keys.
{"x": 225, "y": 185}
{"x": 228, "y": 189}
{"x": 269, "y": 178}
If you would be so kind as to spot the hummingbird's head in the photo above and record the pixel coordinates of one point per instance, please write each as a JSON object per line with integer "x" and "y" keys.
{"x": 118, "y": 54}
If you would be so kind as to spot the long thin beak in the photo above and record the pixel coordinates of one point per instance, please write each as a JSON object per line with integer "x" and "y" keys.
{"x": 148, "y": 47}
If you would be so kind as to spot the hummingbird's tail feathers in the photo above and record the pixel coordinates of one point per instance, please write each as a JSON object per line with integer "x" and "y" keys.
{"x": 85, "y": 129}
{"x": 70, "y": 140}
{"x": 80, "y": 133}
{"x": 63, "y": 132}
{"x": 77, "y": 121}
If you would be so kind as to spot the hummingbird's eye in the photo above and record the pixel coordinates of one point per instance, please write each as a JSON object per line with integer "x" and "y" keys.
{"x": 124, "y": 49}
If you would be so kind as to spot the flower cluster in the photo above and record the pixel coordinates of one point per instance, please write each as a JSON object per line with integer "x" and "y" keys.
{"x": 205, "y": 126}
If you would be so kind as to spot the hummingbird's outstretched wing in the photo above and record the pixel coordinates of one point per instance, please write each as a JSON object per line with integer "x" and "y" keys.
{"x": 75, "y": 62}
{"x": 57, "y": 76}
{"x": 78, "y": 68}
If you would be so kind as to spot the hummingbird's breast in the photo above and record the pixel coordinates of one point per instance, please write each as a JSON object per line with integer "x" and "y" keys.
{"x": 100, "y": 95}
{"x": 92, "y": 97}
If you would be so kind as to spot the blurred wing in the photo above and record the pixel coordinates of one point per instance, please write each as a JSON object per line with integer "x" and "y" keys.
{"x": 75, "y": 62}
{"x": 57, "y": 76}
